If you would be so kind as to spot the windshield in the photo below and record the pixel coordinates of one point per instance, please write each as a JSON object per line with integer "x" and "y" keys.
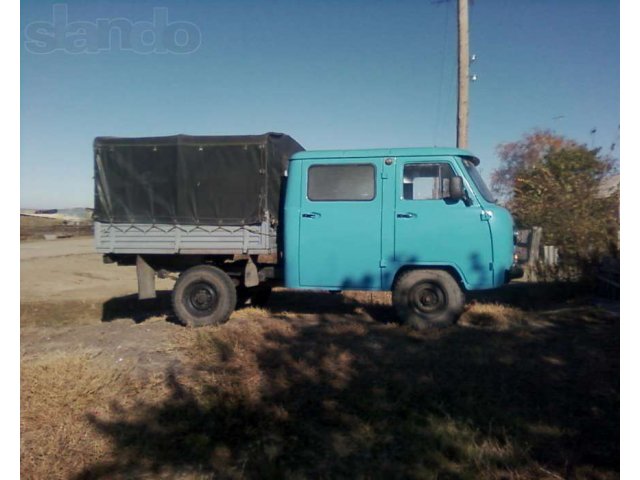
{"x": 477, "y": 179}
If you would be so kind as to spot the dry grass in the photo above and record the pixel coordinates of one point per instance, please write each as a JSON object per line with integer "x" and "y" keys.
{"x": 60, "y": 394}
{"x": 69, "y": 312}
{"x": 369, "y": 298}
{"x": 325, "y": 386}
{"x": 27, "y": 221}
{"x": 492, "y": 316}
{"x": 36, "y": 227}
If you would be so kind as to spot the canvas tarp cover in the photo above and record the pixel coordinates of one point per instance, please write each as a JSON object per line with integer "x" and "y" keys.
{"x": 190, "y": 180}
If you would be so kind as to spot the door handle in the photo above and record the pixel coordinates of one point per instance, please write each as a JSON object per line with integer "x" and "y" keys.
{"x": 406, "y": 215}
{"x": 311, "y": 215}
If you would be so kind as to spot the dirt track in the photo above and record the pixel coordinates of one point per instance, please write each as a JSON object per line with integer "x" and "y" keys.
{"x": 71, "y": 301}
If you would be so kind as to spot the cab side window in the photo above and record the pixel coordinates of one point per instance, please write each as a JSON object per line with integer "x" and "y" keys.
{"x": 353, "y": 182}
{"x": 426, "y": 181}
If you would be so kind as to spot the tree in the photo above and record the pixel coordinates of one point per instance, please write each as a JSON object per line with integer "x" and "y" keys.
{"x": 554, "y": 183}
{"x": 519, "y": 156}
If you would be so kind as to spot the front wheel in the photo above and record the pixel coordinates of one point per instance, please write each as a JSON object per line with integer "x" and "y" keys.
{"x": 203, "y": 295}
{"x": 427, "y": 298}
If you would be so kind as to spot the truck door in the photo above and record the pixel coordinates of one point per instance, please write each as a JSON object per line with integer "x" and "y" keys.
{"x": 431, "y": 229}
{"x": 340, "y": 224}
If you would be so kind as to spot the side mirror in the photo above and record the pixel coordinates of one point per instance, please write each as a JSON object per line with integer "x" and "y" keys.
{"x": 456, "y": 188}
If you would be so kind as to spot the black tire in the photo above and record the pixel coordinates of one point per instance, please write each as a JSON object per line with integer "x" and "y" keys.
{"x": 203, "y": 295}
{"x": 427, "y": 298}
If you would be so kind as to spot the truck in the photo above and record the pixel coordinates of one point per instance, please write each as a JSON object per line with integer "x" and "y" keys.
{"x": 230, "y": 217}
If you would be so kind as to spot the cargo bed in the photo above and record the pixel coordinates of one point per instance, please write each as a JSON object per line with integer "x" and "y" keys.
{"x": 147, "y": 239}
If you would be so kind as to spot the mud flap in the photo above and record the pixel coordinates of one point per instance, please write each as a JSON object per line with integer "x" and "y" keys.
{"x": 146, "y": 279}
{"x": 251, "y": 277}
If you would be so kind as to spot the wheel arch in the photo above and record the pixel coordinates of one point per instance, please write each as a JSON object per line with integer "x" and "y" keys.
{"x": 451, "y": 269}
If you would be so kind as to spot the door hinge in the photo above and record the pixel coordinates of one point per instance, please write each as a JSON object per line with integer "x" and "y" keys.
{"x": 486, "y": 215}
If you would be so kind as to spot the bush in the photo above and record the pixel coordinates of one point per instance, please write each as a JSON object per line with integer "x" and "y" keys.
{"x": 560, "y": 191}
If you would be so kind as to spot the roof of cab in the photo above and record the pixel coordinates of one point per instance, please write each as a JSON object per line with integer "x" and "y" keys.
{"x": 382, "y": 152}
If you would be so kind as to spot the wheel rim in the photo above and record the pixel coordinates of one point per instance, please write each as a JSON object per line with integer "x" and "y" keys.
{"x": 201, "y": 298}
{"x": 427, "y": 298}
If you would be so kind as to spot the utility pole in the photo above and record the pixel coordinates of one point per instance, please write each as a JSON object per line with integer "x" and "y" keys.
{"x": 463, "y": 74}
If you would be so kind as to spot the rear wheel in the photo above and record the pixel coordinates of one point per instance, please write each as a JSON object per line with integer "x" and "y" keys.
{"x": 427, "y": 298}
{"x": 204, "y": 295}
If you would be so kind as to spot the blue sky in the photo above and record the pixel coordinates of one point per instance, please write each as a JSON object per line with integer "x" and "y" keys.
{"x": 333, "y": 74}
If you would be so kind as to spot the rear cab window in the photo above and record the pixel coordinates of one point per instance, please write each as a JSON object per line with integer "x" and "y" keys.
{"x": 351, "y": 182}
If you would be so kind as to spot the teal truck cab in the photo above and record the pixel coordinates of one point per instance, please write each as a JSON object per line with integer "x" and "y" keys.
{"x": 419, "y": 222}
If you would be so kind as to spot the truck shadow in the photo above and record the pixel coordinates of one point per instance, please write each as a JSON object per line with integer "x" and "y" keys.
{"x": 333, "y": 303}
{"x": 534, "y": 295}
{"x": 526, "y": 296}
{"x": 129, "y": 307}
{"x": 281, "y": 301}
{"x": 348, "y": 398}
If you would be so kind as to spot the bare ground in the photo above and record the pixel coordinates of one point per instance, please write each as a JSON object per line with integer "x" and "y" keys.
{"x": 317, "y": 386}
{"x": 71, "y": 301}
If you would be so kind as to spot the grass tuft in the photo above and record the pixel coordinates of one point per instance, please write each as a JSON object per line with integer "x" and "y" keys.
{"x": 492, "y": 316}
